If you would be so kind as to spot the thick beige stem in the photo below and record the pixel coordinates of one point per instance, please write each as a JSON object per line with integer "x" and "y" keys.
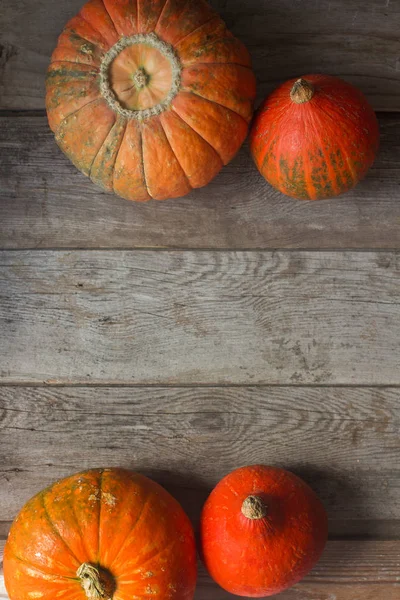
{"x": 302, "y": 91}
{"x": 96, "y": 584}
{"x": 254, "y": 508}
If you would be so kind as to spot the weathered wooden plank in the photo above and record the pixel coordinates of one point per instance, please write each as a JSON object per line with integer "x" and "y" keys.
{"x": 348, "y": 570}
{"x": 343, "y": 441}
{"x": 151, "y": 317}
{"x": 353, "y": 39}
{"x": 45, "y": 202}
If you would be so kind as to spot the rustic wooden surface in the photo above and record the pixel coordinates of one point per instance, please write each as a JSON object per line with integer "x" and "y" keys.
{"x": 353, "y": 39}
{"x": 186, "y": 338}
{"x": 183, "y": 317}
{"x": 46, "y": 203}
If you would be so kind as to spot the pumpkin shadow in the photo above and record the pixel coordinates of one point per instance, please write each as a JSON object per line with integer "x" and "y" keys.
{"x": 191, "y": 493}
{"x": 288, "y": 40}
{"x": 338, "y": 492}
{"x": 189, "y": 490}
{"x": 260, "y": 29}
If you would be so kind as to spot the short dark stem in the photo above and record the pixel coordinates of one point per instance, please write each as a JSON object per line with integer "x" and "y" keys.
{"x": 254, "y": 508}
{"x": 302, "y": 91}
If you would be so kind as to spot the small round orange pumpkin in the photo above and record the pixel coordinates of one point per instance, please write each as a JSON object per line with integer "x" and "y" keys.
{"x": 100, "y": 535}
{"x": 149, "y": 98}
{"x": 315, "y": 137}
{"x": 262, "y": 530}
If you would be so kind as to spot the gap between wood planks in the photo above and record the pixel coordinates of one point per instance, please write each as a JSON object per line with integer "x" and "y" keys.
{"x": 167, "y": 249}
{"x": 161, "y": 386}
{"x": 380, "y": 531}
{"x": 385, "y": 531}
{"x": 41, "y": 112}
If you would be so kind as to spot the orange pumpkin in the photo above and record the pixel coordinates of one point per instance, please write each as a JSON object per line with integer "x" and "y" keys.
{"x": 149, "y": 98}
{"x": 262, "y": 530}
{"x": 315, "y": 137}
{"x": 101, "y": 534}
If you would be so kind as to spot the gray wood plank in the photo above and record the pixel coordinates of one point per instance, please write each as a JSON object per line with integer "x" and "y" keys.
{"x": 343, "y": 441}
{"x": 46, "y": 203}
{"x": 348, "y": 570}
{"x": 353, "y": 39}
{"x": 150, "y": 317}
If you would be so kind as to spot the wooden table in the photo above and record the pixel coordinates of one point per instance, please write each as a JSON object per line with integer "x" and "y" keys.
{"x": 235, "y": 326}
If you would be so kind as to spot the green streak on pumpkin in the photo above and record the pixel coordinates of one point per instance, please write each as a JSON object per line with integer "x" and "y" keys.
{"x": 340, "y": 158}
{"x": 219, "y": 53}
{"x": 86, "y": 47}
{"x": 320, "y": 177}
{"x": 346, "y": 176}
{"x": 340, "y": 184}
{"x": 67, "y": 74}
{"x": 103, "y": 174}
{"x": 293, "y": 180}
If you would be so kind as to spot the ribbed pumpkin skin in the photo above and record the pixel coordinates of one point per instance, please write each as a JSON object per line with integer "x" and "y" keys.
{"x": 184, "y": 146}
{"x": 258, "y": 558}
{"x": 120, "y": 520}
{"x": 318, "y": 149}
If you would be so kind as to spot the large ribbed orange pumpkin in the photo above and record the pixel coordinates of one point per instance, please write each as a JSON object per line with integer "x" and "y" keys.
{"x": 102, "y": 534}
{"x": 150, "y": 98}
{"x": 262, "y": 530}
{"x": 315, "y": 137}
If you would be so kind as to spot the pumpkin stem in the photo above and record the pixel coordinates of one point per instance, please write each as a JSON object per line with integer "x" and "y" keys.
{"x": 113, "y": 87}
{"x": 302, "y": 91}
{"x": 141, "y": 78}
{"x": 254, "y": 508}
{"x": 98, "y": 584}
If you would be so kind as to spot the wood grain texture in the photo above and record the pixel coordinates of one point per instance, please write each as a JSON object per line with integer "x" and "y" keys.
{"x": 353, "y": 39}
{"x": 343, "y": 441}
{"x": 348, "y": 570}
{"x": 46, "y": 203}
{"x": 152, "y": 317}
